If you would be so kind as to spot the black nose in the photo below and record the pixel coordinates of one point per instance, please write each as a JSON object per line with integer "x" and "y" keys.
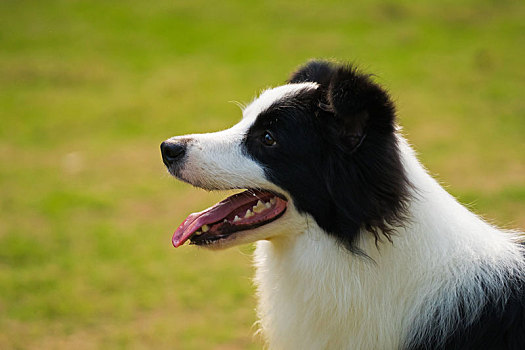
{"x": 172, "y": 152}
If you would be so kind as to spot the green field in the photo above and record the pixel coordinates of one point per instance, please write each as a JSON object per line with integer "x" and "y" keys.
{"x": 89, "y": 89}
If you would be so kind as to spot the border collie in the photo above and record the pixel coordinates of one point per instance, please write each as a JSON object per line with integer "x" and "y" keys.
{"x": 358, "y": 247}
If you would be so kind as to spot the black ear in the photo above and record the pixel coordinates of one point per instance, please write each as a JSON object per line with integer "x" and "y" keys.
{"x": 361, "y": 107}
{"x": 313, "y": 71}
{"x": 364, "y": 174}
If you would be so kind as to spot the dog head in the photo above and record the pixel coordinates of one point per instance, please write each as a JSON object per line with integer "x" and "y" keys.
{"x": 321, "y": 149}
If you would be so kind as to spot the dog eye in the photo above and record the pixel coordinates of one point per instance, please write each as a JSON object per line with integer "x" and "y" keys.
{"x": 268, "y": 139}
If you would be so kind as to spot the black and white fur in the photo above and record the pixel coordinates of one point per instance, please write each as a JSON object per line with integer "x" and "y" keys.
{"x": 372, "y": 253}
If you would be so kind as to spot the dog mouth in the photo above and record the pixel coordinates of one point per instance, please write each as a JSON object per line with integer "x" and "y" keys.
{"x": 242, "y": 211}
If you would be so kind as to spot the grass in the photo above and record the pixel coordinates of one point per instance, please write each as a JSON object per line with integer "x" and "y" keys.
{"x": 89, "y": 89}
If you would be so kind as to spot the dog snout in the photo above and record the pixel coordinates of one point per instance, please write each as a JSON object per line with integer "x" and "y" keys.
{"x": 172, "y": 152}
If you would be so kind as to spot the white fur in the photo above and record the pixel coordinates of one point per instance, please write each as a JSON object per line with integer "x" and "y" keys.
{"x": 314, "y": 294}
{"x": 216, "y": 160}
{"x": 268, "y": 97}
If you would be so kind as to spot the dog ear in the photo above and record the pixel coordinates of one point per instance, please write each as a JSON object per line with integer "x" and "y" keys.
{"x": 364, "y": 174}
{"x": 314, "y": 71}
{"x": 360, "y": 106}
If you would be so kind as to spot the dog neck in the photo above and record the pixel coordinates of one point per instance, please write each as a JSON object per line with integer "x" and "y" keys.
{"x": 327, "y": 297}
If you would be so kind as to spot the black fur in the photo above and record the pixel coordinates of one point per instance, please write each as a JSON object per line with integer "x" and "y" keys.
{"x": 336, "y": 152}
{"x": 501, "y": 324}
{"x": 337, "y": 156}
{"x": 314, "y": 71}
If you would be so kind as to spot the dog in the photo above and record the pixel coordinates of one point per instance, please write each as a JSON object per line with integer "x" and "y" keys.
{"x": 358, "y": 247}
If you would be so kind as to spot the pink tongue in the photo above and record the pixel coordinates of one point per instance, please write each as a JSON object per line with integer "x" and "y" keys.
{"x": 211, "y": 215}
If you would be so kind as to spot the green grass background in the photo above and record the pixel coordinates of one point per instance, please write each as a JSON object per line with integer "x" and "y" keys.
{"x": 89, "y": 89}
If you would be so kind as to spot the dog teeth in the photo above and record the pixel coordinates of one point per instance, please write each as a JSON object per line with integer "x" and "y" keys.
{"x": 236, "y": 218}
{"x": 268, "y": 205}
{"x": 225, "y": 221}
{"x": 272, "y": 201}
{"x": 249, "y": 214}
{"x": 205, "y": 228}
{"x": 198, "y": 233}
{"x": 259, "y": 207}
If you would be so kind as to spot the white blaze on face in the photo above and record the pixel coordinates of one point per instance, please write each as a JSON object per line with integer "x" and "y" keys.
{"x": 217, "y": 160}
{"x": 270, "y": 96}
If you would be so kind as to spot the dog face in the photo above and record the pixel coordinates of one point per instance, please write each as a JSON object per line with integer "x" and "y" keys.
{"x": 320, "y": 149}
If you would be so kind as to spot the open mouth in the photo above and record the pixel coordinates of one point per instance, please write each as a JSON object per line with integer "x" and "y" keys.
{"x": 242, "y": 211}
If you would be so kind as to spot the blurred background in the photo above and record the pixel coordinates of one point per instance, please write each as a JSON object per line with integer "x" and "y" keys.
{"x": 89, "y": 89}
